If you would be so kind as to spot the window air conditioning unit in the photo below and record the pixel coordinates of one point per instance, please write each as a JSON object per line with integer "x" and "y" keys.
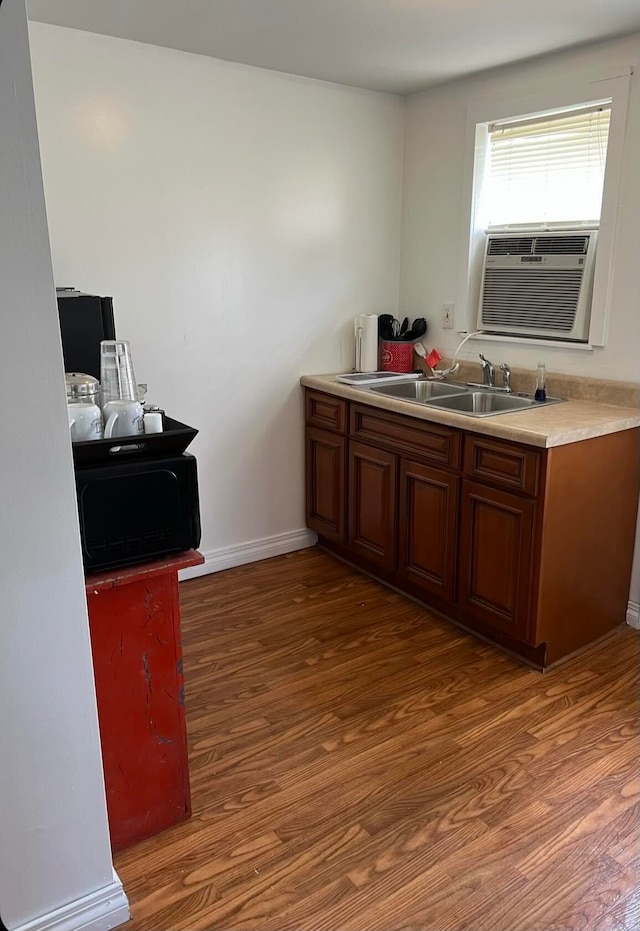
{"x": 538, "y": 284}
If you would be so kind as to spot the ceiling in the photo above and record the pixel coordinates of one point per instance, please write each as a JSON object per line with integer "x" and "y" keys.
{"x": 399, "y": 46}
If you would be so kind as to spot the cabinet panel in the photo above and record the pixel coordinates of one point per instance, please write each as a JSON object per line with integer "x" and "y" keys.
{"x": 326, "y": 483}
{"x": 429, "y": 441}
{"x": 496, "y": 550}
{"x": 428, "y": 528}
{"x": 505, "y": 464}
{"x": 372, "y": 504}
{"x": 325, "y": 411}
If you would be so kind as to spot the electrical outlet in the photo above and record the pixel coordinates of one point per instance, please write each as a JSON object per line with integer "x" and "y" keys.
{"x": 447, "y": 316}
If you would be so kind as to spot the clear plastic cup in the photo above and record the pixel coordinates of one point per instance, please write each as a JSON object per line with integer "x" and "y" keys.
{"x": 117, "y": 377}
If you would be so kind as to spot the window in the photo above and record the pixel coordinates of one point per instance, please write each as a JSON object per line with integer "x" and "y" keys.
{"x": 547, "y": 171}
{"x": 545, "y": 164}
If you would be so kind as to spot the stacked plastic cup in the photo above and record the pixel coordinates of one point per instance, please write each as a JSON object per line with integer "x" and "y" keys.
{"x": 117, "y": 377}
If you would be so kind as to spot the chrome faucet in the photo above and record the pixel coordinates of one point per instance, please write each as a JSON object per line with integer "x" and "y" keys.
{"x": 489, "y": 376}
{"x": 488, "y": 372}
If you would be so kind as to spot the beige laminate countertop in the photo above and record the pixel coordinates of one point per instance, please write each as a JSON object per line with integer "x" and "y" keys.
{"x": 555, "y": 425}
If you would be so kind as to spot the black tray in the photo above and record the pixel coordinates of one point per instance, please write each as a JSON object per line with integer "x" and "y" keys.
{"x": 172, "y": 441}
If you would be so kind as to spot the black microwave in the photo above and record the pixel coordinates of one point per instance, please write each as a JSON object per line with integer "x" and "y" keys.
{"x": 137, "y": 510}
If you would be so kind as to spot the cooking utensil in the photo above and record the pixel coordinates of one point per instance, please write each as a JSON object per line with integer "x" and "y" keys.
{"x": 418, "y": 329}
{"x": 404, "y": 327}
{"x": 385, "y": 326}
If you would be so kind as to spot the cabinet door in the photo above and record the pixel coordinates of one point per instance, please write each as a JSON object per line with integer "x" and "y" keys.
{"x": 326, "y": 484}
{"x": 428, "y": 525}
{"x": 496, "y": 551}
{"x": 372, "y": 504}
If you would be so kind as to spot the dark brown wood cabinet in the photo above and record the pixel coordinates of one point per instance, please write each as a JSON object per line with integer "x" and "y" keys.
{"x": 527, "y": 546}
{"x": 326, "y": 479}
{"x": 428, "y": 528}
{"x": 495, "y": 552}
{"x": 372, "y": 504}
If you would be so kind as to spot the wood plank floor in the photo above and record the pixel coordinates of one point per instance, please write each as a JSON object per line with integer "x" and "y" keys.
{"x": 357, "y": 763}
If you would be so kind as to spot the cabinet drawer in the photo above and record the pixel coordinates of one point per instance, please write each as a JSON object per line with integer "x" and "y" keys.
{"x": 429, "y": 441}
{"x": 505, "y": 464}
{"x": 326, "y": 411}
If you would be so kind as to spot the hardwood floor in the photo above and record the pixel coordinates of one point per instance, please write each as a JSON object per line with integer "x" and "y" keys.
{"x": 357, "y": 763}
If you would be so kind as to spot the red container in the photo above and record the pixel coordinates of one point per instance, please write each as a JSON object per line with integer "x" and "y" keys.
{"x": 397, "y": 356}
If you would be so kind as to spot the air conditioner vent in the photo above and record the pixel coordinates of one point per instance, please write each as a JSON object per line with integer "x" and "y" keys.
{"x": 516, "y": 245}
{"x": 561, "y": 245}
{"x": 523, "y": 298}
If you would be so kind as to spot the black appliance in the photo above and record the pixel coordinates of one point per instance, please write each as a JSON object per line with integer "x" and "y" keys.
{"x": 137, "y": 510}
{"x": 85, "y": 320}
{"x": 137, "y": 496}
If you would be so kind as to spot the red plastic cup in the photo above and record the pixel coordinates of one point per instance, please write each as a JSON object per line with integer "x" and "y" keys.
{"x": 397, "y": 356}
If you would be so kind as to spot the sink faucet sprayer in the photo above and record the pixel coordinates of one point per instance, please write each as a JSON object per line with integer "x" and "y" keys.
{"x": 488, "y": 368}
{"x": 506, "y": 377}
{"x": 453, "y": 368}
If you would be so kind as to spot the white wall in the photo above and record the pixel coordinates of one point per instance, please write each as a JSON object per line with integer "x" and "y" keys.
{"x": 240, "y": 218}
{"x": 433, "y": 231}
{"x": 54, "y": 842}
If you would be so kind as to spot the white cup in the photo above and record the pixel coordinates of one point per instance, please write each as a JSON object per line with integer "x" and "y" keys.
{"x": 123, "y": 418}
{"x": 153, "y": 422}
{"x": 85, "y": 422}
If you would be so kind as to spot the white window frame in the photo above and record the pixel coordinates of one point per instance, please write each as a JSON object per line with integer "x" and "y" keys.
{"x": 481, "y": 114}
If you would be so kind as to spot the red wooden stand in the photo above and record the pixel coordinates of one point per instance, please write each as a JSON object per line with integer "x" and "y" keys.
{"x": 134, "y": 618}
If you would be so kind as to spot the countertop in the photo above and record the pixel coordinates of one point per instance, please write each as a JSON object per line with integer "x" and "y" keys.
{"x": 555, "y": 425}
{"x": 114, "y": 578}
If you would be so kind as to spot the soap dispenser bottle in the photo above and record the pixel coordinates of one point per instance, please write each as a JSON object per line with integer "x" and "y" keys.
{"x": 541, "y": 377}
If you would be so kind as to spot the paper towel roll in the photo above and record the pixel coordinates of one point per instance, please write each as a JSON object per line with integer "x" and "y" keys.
{"x": 366, "y": 334}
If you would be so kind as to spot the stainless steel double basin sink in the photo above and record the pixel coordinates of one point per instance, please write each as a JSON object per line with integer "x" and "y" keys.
{"x": 458, "y": 398}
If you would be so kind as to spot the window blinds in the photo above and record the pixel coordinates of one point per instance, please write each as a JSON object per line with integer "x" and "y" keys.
{"x": 548, "y": 170}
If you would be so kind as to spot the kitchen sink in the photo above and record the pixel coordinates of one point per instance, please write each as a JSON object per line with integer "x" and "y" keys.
{"x": 484, "y": 403}
{"x": 420, "y": 391}
{"x": 460, "y": 399}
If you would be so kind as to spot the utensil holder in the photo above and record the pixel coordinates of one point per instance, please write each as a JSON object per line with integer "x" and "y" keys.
{"x": 396, "y": 356}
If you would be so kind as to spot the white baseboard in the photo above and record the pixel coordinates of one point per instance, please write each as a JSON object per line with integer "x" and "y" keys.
{"x": 230, "y": 556}
{"x": 99, "y": 911}
{"x": 633, "y": 615}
